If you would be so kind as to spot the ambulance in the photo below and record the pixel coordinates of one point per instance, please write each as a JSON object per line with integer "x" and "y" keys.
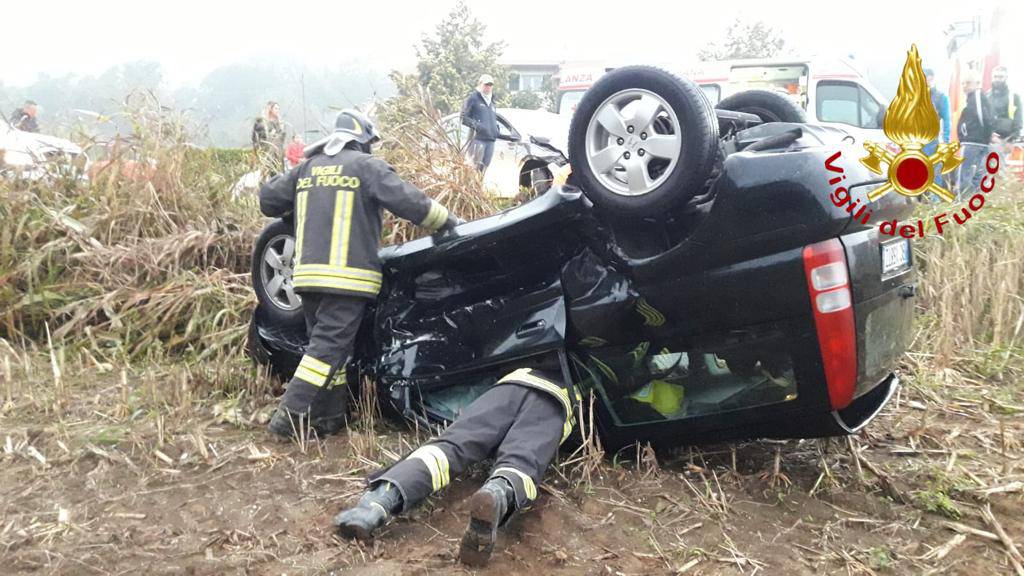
{"x": 833, "y": 91}
{"x": 979, "y": 45}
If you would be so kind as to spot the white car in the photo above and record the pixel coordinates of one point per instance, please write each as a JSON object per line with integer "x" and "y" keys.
{"x": 529, "y": 152}
{"x": 34, "y": 156}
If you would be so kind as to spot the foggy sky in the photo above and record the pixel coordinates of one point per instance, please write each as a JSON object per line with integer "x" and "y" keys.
{"x": 190, "y": 38}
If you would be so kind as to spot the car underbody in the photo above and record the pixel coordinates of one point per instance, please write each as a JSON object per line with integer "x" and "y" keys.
{"x": 697, "y": 325}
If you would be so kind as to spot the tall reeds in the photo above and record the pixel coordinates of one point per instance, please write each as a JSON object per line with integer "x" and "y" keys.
{"x": 971, "y": 282}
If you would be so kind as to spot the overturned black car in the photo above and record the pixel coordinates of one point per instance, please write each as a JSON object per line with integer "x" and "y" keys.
{"x": 695, "y": 276}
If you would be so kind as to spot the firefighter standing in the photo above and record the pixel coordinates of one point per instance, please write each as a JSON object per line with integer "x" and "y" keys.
{"x": 520, "y": 422}
{"x": 336, "y": 195}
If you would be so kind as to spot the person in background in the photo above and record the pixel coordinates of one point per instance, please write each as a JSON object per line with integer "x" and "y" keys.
{"x": 268, "y": 139}
{"x": 479, "y": 115}
{"x": 975, "y": 133}
{"x": 941, "y": 104}
{"x": 1006, "y": 111}
{"x": 293, "y": 154}
{"x": 24, "y": 118}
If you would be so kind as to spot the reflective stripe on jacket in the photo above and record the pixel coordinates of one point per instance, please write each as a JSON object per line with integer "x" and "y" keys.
{"x": 337, "y": 202}
{"x": 552, "y": 383}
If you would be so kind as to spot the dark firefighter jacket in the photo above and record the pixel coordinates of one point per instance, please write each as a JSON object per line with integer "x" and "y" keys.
{"x": 337, "y": 202}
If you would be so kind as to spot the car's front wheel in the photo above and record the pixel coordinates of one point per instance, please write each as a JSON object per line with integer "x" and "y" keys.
{"x": 273, "y": 258}
{"x": 642, "y": 141}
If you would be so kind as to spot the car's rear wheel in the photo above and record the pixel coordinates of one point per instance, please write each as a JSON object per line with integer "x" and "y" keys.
{"x": 280, "y": 366}
{"x": 642, "y": 141}
{"x": 767, "y": 105}
{"x": 272, "y": 261}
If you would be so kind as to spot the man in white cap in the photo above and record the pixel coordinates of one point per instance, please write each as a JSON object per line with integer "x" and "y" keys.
{"x": 478, "y": 114}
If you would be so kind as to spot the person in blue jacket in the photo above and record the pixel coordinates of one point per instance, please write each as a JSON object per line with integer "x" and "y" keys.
{"x": 479, "y": 115}
{"x": 941, "y": 104}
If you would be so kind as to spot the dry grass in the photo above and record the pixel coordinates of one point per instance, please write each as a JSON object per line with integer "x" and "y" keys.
{"x": 138, "y": 263}
{"x": 972, "y": 280}
{"x": 420, "y": 150}
{"x": 128, "y": 266}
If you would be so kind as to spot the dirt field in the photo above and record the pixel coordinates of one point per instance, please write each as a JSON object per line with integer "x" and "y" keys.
{"x": 142, "y": 472}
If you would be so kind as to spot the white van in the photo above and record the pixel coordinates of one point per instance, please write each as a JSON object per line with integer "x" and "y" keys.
{"x": 832, "y": 91}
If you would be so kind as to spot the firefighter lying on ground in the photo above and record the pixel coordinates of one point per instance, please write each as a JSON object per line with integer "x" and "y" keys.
{"x": 336, "y": 195}
{"x": 520, "y": 422}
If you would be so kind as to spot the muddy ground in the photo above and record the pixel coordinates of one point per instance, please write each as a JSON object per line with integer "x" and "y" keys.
{"x": 100, "y": 478}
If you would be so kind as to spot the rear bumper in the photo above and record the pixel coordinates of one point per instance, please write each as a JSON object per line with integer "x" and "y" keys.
{"x": 863, "y": 409}
{"x": 849, "y": 420}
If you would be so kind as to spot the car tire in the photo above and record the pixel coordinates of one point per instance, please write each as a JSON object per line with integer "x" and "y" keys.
{"x": 618, "y": 169}
{"x": 272, "y": 261}
{"x": 280, "y": 366}
{"x": 767, "y": 105}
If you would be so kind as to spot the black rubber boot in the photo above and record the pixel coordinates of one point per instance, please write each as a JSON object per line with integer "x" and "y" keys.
{"x": 284, "y": 424}
{"x": 306, "y": 411}
{"x": 329, "y": 410}
{"x": 489, "y": 507}
{"x": 374, "y": 510}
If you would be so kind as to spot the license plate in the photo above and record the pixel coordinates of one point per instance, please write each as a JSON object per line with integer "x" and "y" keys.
{"x": 895, "y": 257}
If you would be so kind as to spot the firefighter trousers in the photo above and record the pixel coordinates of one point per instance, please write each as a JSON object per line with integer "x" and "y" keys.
{"x": 521, "y": 427}
{"x": 319, "y": 383}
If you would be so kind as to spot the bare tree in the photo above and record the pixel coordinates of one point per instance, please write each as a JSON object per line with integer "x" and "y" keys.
{"x": 744, "y": 40}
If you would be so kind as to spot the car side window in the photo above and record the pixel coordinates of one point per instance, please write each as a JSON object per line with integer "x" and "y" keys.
{"x": 838, "y": 102}
{"x": 870, "y": 110}
{"x": 847, "y": 103}
{"x": 647, "y": 382}
{"x": 505, "y": 130}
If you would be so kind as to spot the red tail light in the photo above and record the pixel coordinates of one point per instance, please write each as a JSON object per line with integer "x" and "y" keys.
{"x": 829, "y": 286}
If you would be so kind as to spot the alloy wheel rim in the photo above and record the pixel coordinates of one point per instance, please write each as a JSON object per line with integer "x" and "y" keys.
{"x": 277, "y": 262}
{"x": 633, "y": 142}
